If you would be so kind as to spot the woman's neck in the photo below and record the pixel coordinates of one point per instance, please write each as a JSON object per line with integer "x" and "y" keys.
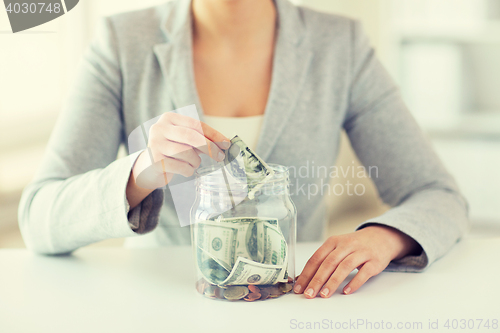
{"x": 235, "y": 22}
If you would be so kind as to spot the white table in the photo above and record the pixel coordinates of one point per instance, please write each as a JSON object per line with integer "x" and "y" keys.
{"x": 152, "y": 290}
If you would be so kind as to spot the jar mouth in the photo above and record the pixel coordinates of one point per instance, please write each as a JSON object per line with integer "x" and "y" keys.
{"x": 213, "y": 175}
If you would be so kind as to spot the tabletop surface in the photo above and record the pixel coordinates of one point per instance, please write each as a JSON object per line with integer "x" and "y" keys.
{"x": 152, "y": 290}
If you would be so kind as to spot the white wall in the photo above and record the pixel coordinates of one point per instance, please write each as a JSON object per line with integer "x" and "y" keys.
{"x": 36, "y": 69}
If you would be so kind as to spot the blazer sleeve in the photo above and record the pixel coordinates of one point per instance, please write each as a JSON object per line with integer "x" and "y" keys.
{"x": 409, "y": 176}
{"x": 78, "y": 195}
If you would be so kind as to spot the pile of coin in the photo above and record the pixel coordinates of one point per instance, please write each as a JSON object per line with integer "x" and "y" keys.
{"x": 248, "y": 293}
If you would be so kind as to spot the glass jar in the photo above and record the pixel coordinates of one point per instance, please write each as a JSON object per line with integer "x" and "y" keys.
{"x": 244, "y": 245}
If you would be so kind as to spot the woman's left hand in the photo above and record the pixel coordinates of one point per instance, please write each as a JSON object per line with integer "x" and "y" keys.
{"x": 370, "y": 250}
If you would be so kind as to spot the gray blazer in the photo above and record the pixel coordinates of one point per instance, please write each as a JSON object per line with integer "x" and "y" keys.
{"x": 326, "y": 77}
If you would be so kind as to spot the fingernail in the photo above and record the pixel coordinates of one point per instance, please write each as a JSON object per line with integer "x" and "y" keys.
{"x": 347, "y": 290}
{"x": 325, "y": 292}
{"x": 297, "y": 288}
{"x": 221, "y": 156}
{"x": 225, "y": 144}
{"x": 309, "y": 292}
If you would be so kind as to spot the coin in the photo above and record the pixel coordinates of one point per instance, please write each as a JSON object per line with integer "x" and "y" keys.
{"x": 210, "y": 291}
{"x": 235, "y": 292}
{"x": 200, "y": 285}
{"x": 253, "y": 288}
{"x": 252, "y": 297}
{"x": 286, "y": 287}
{"x": 264, "y": 294}
{"x": 274, "y": 290}
{"x": 219, "y": 293}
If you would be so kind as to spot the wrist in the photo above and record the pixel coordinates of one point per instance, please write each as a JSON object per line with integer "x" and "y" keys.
{"x": 134, "y": 192}
{"x": 400, "y": 243}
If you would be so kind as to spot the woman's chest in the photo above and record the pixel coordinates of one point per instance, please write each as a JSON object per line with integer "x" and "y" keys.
{"x": 233, "y": 86}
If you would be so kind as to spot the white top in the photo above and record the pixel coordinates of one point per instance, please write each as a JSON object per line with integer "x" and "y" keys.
{"x": 247, "y": 128}
{"x": 153, "y": 290}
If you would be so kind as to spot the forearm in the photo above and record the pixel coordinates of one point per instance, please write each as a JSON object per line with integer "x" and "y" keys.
{"x": 59, "y": 216}
{"x": 435, "y": 218}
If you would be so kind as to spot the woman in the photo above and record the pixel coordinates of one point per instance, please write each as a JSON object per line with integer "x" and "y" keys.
{"x": 296, "y": 77}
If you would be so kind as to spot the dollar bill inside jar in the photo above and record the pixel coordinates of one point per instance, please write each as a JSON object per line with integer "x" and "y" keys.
{"x": 239, "y": 256}
{"x": 241, "y": 251}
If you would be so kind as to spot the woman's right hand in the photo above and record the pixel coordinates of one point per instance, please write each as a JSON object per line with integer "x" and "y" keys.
{"x": 174, "y": 145}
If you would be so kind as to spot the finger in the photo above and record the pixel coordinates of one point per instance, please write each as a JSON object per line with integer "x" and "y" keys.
{"x": 181, "y": 120}
{"x": 160, "y": 173}
{"x": 215, "y": 136}
{"x": 172, "y": 165}
{"x": 163, "y": 147}
{"x": 197, "y": 151}
{"x": 365, "y": 272}
{"x": 326, "y": 270}
{"x": 313, "y": 264}
{"x": 180, "y": 152}
{"x": 343, "y": 270}
{"x": 194, "y": 139}
{"x": 202, "y": 128}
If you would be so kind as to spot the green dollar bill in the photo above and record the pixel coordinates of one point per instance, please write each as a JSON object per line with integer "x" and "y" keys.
{"x": 243, "y": 163}
{"x": 218, "y": 241}
{"x": 247, "y": 272}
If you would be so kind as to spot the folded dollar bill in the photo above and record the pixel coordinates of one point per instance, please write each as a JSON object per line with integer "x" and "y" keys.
{"x": 243, "y": 163}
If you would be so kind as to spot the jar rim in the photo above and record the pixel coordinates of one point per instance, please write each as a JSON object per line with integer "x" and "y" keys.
{"x": 203, "y": 174}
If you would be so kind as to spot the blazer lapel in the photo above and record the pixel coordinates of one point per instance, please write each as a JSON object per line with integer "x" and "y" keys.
{"x": 290, "y": 67}
{"x": 175, "y": 57}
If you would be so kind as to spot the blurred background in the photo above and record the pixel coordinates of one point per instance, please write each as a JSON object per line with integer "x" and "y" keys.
{"x": 444, "y": 54}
